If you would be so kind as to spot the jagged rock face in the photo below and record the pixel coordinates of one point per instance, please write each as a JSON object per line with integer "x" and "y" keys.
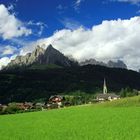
{"x": 42, "y": 56}
{"x": 92, "y": 62}
{"x": 28, "y": 58}
{"x": 118, "y": 64}
{"x": 111, "y": 64}
{"x": 53, "y": 56}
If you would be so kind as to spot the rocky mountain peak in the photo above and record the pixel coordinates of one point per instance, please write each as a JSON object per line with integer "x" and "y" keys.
{"x": 111, "y": 64}
{"x": 51, "y": 50}
{"x": 38, "y": 50}
{"x": 42, "y": 56}
{"x": 50, "y": 47}
{"x": 118, "y": 64}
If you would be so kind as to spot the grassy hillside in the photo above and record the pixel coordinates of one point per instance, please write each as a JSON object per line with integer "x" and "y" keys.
{"x": 125, "y": 102}
{"x": 91, "y": 122}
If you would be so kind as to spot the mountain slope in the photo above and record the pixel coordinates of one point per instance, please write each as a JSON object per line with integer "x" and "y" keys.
{"x": 52, "y": 56}
{"x": 41, "y": 56}
{"x": 123, "y": 102}
{"x": 110, "y": 64}
{"x": 30, "y": 84}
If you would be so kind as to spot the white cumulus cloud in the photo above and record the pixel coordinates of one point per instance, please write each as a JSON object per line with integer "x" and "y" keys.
{"x": 7, "y": 50}
{"x": 5, "y": 60}
{"x": 10, "y": 26}
{"x": 110, "y": 40}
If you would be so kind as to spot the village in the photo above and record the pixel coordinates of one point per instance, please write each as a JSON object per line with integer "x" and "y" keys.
{"x": 58, "y": 101}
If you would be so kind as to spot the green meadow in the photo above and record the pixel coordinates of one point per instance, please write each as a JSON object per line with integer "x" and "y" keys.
{"x": 117, "y": 120}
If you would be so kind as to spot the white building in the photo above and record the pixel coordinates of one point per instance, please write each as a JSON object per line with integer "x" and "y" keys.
{"x": 106, "y": 96}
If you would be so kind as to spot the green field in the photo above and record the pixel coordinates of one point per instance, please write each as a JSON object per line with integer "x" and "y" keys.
{"x": 118, "y": 120}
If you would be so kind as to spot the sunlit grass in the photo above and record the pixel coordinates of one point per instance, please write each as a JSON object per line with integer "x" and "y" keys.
{"x": 91, "y": 122}
{"x": 125, "y": 102}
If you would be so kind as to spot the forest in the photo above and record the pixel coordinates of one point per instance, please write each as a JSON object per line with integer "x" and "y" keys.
{"x": 20, "y": 85}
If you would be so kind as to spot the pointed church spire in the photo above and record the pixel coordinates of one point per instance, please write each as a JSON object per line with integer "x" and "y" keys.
{"x": 104, "y": 87}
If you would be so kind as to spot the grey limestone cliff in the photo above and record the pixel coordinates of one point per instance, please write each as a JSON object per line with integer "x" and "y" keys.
{"x": 111, "y": 64}
{"x": 41, "y": 56}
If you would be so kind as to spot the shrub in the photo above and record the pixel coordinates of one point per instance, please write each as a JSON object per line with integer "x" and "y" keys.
{"x": 12, "y": 109}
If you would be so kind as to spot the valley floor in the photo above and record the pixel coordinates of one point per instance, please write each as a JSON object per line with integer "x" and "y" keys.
{"x": 73, "y": 123}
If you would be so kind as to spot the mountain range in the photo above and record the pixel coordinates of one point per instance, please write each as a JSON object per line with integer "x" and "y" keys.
{"x": 19, "y": 85}
{"x": 41, "y": 56}
{"x": 46, "y": 72}
{"x": 50, "y": 55}
{"x": 110, "y": 64}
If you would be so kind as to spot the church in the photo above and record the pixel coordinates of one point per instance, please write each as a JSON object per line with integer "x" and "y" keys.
{"x": 105, "y": 96}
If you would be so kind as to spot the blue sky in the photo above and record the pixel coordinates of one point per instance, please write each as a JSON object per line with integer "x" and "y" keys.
{"x": 44, "y": 18}
{"x": 86, "y": 13}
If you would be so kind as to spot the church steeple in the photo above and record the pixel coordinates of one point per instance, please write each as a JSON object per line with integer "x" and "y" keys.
{"x": 104, "y": 87}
